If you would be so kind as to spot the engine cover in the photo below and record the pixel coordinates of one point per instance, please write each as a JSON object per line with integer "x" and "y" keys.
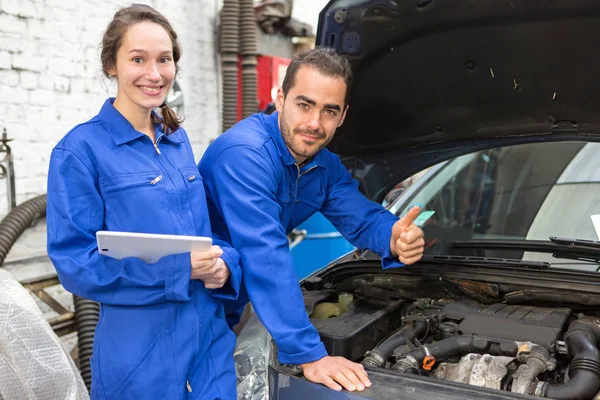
{"x": 476, "y": 369}
{"x": 539, "y": 325}
{"x": 359, "y": 329}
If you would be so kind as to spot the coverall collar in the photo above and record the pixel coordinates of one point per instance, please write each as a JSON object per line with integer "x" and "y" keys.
{"x": 121, "y": 131}
{"x": 284, "y": 152}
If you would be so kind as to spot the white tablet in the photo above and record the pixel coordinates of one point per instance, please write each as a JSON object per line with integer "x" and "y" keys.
{"x": 149, "y": 247}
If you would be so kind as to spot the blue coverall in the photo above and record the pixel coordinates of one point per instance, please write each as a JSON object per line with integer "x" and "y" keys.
{"x": 160, "y": 334}
{"x": 257, "y": 194}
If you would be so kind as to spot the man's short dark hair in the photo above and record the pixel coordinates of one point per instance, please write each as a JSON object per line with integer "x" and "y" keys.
{"x": 323, "y": 59}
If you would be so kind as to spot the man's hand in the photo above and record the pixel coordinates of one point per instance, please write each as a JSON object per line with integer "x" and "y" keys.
{"x": 335, "y": 372}
{"x": 209, "y": 268}
{"x": 407, "y": 241}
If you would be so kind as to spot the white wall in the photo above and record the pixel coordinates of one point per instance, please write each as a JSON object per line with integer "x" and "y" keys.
{"x": 307, "y": 11}
{"x": 51, "y": 79}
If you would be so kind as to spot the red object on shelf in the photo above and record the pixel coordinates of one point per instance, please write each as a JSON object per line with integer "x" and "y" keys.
{"x": 270, "y": 71}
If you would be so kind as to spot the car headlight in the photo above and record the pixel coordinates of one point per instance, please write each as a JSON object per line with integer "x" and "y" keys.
{"x": 253, "y": 351}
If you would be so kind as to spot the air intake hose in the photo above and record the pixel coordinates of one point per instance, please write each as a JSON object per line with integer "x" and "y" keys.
{"x": 380, "y": 354}
{"x": 581, "y": 339}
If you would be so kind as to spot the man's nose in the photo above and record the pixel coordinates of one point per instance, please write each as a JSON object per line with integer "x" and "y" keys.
{"x": 313, "y": 121}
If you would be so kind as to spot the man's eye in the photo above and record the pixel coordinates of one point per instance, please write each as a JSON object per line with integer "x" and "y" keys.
{"x": 331, "y": 113}
{"x": 303, "y": 105}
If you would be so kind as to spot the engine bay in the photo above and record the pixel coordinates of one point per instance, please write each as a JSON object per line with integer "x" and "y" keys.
{"x": 466, "y": 332}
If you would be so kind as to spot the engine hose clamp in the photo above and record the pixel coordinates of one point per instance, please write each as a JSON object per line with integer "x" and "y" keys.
{"x": 427, "y": 331}
{"x": 428, "y": 360}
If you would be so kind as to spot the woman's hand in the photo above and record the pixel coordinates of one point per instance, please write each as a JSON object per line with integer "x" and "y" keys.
{"x": 208, "y": 267}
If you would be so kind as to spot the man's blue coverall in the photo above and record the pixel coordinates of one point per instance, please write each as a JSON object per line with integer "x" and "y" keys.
{"x": 257, "y": 194}
{"x": 160, "y": 334}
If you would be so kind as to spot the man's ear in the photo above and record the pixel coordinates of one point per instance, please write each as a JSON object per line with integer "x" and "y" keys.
{"x": 279, "y": 100}
{"x": 343, "y": 116}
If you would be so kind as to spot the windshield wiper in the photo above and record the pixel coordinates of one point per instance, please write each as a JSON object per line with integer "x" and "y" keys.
{"x": 485, "y": 261}
{"x": 579, "y": 249}
{"x": 576, "y": 243}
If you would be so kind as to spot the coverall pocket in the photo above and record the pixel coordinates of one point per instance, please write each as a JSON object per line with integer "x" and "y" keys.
{"x": 153, "y": 377}
{"x": 117, "y": 182}
{"x": 130, "y": 198}
{"x": 196, "y": 195}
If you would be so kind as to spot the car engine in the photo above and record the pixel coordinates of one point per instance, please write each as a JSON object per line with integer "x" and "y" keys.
{"x": 543, "y": 351}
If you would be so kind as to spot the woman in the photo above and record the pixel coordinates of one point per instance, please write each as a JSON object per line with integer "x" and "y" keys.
{"x": 162, "y": 333}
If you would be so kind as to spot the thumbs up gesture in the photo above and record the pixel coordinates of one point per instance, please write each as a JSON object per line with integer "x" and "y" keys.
{"x": 407, "y": 241}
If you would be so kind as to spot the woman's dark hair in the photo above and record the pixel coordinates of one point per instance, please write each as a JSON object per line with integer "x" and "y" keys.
{"x": 113, "y": 38}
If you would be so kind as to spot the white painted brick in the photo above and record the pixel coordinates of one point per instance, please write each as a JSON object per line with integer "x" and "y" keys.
{"x": 29, "y": 62}
{"x": 14, "y": 95}
{"x": 93, "y": 53}
{"x": 95, "y": 86}
{"x": 4, "y": 116}
{"x": 68, "y": 31}
{"x": 15, "y": 114}
{"x": 28, "y": 80}
{"x": 12, "y": 24}
{"x": 69, "y": 117}
{"x": 19, "y": 131}
{"x": 20, "y": 8}
{"x": 62, "y": 4}
{"x": 61, "y": 84}
{"x": 5, "y": 60}
{"x": 10, "y": 42}
{"x": 41, "y": 97}
{"x": 32, "y": 186}
{"x": 63, "y": 66}
{"x": 46, "y": 81}
{"x": 9, "y": 78}
{"x": 43, "y": 29}
{"x": 77, "y": 85}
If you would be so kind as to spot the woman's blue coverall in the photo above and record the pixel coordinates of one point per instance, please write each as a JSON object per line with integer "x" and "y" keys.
{"x": 160, "y": 334}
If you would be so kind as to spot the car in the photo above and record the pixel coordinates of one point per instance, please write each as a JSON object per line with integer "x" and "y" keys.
{"x": 498, "y": 102}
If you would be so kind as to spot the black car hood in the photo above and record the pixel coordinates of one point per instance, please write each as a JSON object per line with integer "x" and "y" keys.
{"x": 437, "y": 75}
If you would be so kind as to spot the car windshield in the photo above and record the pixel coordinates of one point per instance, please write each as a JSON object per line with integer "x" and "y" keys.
{"x": 521, "y": 192}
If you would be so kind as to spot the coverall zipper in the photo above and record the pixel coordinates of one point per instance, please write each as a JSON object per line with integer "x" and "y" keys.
{"x": 299, "y": 175}
{"x": 303, "y": 173}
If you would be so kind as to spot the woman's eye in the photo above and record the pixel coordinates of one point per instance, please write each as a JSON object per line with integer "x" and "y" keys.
{"x": 137, "y": 60}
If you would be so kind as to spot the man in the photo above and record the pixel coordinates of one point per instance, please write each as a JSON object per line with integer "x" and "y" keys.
{"x": 268, "y": 174}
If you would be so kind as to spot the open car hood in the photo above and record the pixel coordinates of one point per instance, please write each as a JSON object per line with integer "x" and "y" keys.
{"x": 434, "y": 75}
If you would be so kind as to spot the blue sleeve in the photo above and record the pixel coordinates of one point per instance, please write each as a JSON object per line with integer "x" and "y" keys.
{"x": 231, "y": 290}
{"x": 364, "y": 223}
{"x": 75, "y": 212}
{"x": 243, "y": 188}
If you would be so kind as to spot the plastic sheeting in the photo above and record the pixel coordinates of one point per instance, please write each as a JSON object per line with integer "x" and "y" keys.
{"x": 33, "y": 363}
